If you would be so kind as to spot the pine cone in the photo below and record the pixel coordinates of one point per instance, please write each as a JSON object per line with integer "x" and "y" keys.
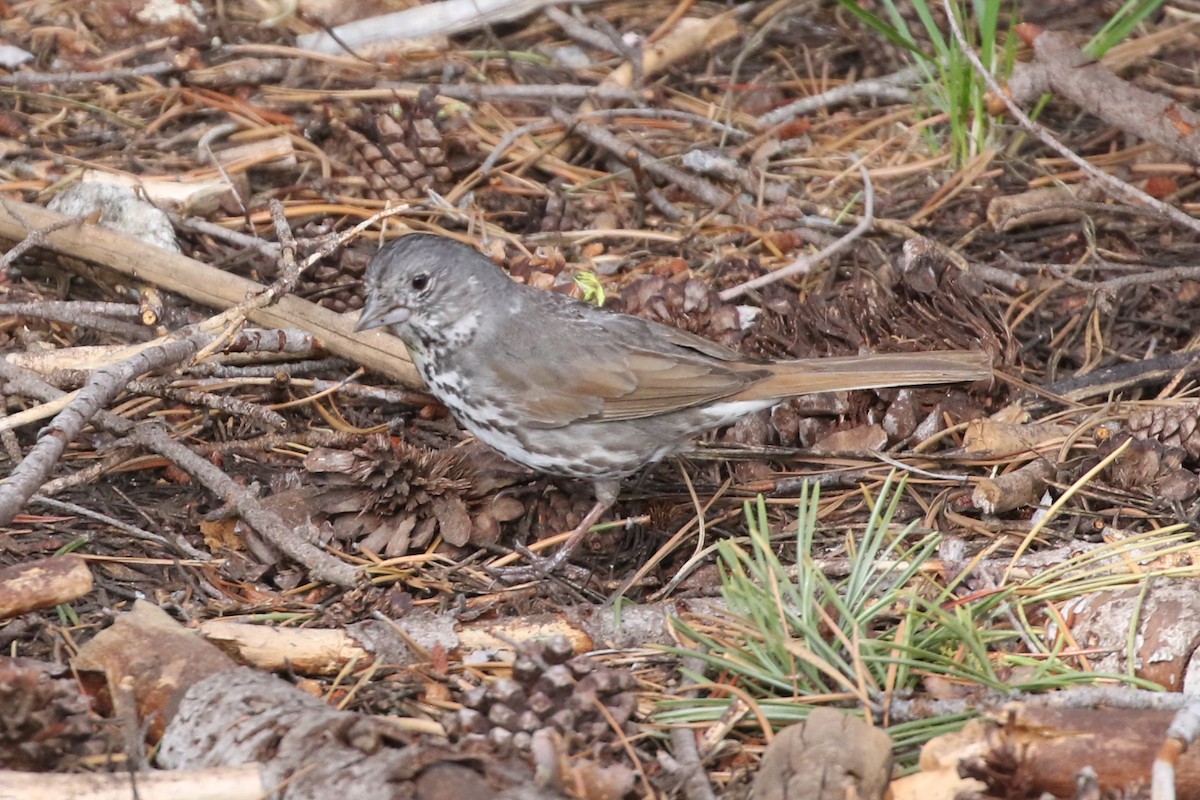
{"x": 683, "y": 302}
{"x": 393, "y": 496}
{"x": 45, "y": 719}
{"x": 1149, "y": 466}
{"x": 403, "y": 157}
{"x": 1173, "y": 426}
{"x": 550, "y": 689}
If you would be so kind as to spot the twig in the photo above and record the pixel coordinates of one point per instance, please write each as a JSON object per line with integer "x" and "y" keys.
{"x": 545, "y": 93}
{"x": 375, "y": 350}
{"x": 313, "y": 437}
{"x": 1059, "y": 66}
{"x": 1114, "y": 286}
{"x": 892, "y": 87}
{"x": 22, "y": 382}
{"x": 293, "y": 369}
{"x": 34, "y": 236}
{"x": 105, "y": 384}
{"x": 631, "y": 52}
{"x": 79, "y": 313}
{"x": 579, "y": 31}
{"x": 443, "y": 18}
{"x": 296, "y": 544}
{"x": 696, "y": 785}
{"x": 263, "y": 418}
{"x": 805, "y": 263}
{"x": 1119, "y": 377}
{"x": 9, "y": 439}
{"x": 915, "y": 470}
{"x": 179, "y": 547}
{"x": 221, "y": 233}
{"x": 290, "y": 273}
{"x": 71, "y": 307}
{"x": 104, "y": 76}
{"x": 92, "y": 472}
{"x": 512, "y": 136}
{"x": 698, "y": 188}
{"x": 1111, "y": 183}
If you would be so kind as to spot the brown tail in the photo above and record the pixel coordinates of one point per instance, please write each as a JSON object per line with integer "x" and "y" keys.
{"x": 810, "y": 375}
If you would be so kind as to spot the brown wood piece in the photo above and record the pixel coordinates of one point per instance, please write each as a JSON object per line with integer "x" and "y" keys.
{"x": 1054, "y": 744}
{"x": 42, "y": 584}
{"x": 377, "y": 351}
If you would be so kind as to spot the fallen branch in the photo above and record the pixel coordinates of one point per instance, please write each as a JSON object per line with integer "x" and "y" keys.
{"x": 105, "y": 384}
{"x": 698, "y": 188}
{"x": 1121, "y": 377}
{"x": 228, "y": 783}
{"x": 42, "y": 584}
{"x": 296, "y": 544}
{"x": 1062, "y": 68}
{"x": 805, "y": 263}
{"x": 379, "y": 352}
{"x": 442, "y": 18}
{"x": 1111, "y": 184}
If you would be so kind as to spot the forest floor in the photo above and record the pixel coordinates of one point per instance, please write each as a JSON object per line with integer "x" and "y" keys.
{"x": 971, "y": 544}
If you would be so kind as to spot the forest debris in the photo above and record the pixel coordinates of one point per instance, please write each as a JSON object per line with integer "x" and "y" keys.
{"x": 1149, "y": 466}
{"x": 43, "y": 583}
{"x": 1165, "y": 628}
{"x": 442, "y": 18}
{"x": 408, "y": 151}
{"x": 375, "y": 350}
{"x": 1174, "y": 426}
{"x": 1064, "y": 69}
{"x": 1043, "y": 206}
{"x": 190, "y": 194}
{"x": 585, "y": 706}
{"x": 829, "y": 756}
{"x": 294, "y": 541}
{"x": 935, "y": 784}
{"x": 1128, "y": 375}
{"x": 1043, "y": 750}
{"x": 47, "y": 720}
{"x": 81, "y": 357}
{"x": 120, "y": 21}
{"x": 78, "y": 410}
{"x": 393, "y": 497}
{"x": 639, "y": 158}
{"x": 689, "y": 36}
{"x": 226, "y": 783}
{"x": 1003, "y": 439}
{"x": 276, "y": 153}
{"x": 307, "y": 651}
{"x": 863, "y": 439}
{"x": 939, "y": 777}
{"x": 12, "y": 57}
{"x": 409, "y": 638}
{"x": 212, "y": 714}
{"x": 119, "y": 209}
{"x": 1016, "y": 489}
{"x": 161, "y": 658}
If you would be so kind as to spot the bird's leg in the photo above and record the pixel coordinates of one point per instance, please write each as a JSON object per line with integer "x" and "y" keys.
{"x": 606, "y": 495}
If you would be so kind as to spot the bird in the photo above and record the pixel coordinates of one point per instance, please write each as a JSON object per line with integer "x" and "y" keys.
{"x": 569, "y": 389}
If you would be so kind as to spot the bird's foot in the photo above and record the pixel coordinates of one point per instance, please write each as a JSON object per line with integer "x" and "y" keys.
{"x": 539, "y": 567}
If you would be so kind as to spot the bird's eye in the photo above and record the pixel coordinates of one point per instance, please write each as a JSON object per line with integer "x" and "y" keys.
{"x": 420, "y": 281}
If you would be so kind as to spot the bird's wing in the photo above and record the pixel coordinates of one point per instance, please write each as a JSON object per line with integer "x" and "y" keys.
{"x": 619, "y": 368}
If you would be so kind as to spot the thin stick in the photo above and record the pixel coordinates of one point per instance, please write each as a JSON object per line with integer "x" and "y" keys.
{"x": 804, "y": 264}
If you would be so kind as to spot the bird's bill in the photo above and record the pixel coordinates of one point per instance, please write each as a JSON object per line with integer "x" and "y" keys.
{"x": 375, "y": 314}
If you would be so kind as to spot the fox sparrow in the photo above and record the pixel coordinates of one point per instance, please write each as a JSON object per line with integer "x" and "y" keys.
{"x": 566, "y": 388}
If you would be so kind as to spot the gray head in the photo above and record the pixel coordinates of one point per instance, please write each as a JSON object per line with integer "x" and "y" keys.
{"x": 426, "y": 288}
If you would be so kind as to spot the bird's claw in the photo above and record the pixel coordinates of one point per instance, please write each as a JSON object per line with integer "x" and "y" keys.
{"x": 538, "y": 568}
